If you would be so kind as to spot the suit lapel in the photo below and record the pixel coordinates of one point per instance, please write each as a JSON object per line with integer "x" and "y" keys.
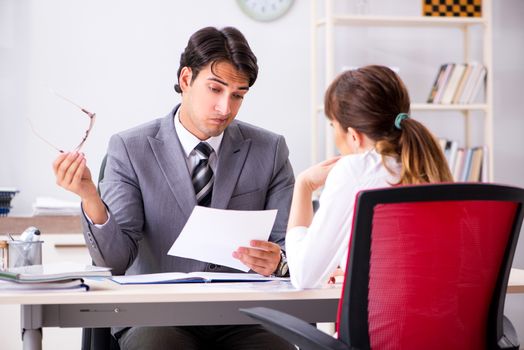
{"x": 170, "y": 157}
{"x": 232, "y": 155}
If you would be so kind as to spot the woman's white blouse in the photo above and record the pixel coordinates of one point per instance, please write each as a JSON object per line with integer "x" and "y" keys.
{"x": 314, "y": 252}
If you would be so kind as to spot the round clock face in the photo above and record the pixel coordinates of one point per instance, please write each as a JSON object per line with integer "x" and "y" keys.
{"x": 265, "y": 10}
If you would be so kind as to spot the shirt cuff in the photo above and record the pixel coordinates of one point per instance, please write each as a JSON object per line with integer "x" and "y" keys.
{"x": 91, "y": 221}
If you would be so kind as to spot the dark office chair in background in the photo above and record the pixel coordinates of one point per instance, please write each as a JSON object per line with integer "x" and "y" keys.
{"x": 99, "y": 338}
{"x": 428, "y": 269}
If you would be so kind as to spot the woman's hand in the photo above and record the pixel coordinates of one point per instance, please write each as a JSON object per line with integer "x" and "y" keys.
{"x": 301, "y": 212}
{"x": 315, "y": 176}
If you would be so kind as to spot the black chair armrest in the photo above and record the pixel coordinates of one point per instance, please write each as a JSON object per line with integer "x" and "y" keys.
{"x": 294, "y": 330}
{"x": 86, "y": 338}
{"x": 509, "y": 338}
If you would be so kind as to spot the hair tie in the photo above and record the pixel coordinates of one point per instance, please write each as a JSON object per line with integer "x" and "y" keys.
{"x": 400, "y": 117}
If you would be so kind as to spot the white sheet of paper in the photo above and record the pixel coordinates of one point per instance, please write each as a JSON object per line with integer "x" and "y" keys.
{"x": 212, "y": 235}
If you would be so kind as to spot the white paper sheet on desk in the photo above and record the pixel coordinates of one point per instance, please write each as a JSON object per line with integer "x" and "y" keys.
{"x": 212, "y": 235}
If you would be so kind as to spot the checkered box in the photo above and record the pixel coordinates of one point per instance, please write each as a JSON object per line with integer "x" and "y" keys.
{"x": 452, "y": 8}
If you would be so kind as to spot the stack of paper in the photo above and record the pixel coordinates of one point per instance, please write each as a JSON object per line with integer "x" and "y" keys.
{"x": 53, "y": 206}
{"x": 53, "y": 272}
{"x": 50, "y": 277}
{"x": 72, "y": 285}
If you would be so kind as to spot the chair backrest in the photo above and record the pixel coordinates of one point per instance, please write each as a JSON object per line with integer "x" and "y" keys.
{"x": 428, "y": 266}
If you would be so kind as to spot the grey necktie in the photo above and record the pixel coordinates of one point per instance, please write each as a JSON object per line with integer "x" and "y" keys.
{"x": 203, "y": 177}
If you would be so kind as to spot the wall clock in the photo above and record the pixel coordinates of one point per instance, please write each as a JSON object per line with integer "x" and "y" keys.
{"x": 265, "y": 10}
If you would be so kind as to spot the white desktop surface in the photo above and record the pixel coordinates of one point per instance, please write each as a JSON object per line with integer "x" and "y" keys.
{"x": 106, "y": 291}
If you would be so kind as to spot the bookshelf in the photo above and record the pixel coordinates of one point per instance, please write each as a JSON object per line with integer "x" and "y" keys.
{"x": 325, "y": 15}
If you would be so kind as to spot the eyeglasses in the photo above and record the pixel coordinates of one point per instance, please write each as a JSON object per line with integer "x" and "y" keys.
{"x": 92, "y": 117}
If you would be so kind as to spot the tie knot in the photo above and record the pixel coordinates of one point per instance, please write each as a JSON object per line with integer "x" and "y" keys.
{"x": 204, "y": 149}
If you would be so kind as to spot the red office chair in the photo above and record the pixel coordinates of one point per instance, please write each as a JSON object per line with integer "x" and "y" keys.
{"x": 428, "y": 269}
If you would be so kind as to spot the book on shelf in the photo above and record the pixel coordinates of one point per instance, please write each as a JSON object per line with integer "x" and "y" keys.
{"x": 476, "y": 164}
{"x": 453, "y": 154}
{"x": 450, "y": 148}
{"x": 452, "y": 85}
{"x": 478, "y": 82}
{"x": 457, "y": 83}
{"x": 459, "y": 164}
{"x": 466, "y": 163}
{"x": 53, "y": 272}
{"x": 448, "y": 70}
{"x": 436, "y": 83}
{"x": 193, "y": 277}
{"x": 462, "y": 83}
{"x": 468, "y": 85}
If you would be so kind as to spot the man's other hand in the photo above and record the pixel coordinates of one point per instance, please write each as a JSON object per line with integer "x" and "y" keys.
{"x": 262, "y": 257}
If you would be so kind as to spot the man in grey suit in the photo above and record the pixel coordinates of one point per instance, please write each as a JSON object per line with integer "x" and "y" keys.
{"x": 198, "y": 154}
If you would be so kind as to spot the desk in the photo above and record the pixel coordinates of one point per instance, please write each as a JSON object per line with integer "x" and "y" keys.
{"x": 516, "y": 281}
{"x": 108, "y": 304}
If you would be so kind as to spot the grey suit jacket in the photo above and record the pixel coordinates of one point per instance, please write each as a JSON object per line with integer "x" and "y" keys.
{"x": 148, "y": 192}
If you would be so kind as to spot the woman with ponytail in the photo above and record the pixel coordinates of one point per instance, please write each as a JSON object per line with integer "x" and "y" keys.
{"x": 380, "y": 146}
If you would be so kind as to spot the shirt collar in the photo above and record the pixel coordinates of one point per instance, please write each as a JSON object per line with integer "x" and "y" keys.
{"x": 190, "y": 141}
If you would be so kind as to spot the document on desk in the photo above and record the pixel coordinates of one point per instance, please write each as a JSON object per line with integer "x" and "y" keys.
{"x": 194, "y": 277}
{"x": 212, "y": 235}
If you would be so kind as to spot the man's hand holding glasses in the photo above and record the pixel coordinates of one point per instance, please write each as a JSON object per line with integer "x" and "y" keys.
{"x": 72, "y": 173}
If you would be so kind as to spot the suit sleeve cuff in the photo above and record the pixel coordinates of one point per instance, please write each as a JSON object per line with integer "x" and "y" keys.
{"x": 91, "y": 221}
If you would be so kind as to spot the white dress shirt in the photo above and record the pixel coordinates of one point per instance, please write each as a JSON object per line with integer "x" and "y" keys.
{"x": 190, "y": 141}
{"x": 314, "y": 252}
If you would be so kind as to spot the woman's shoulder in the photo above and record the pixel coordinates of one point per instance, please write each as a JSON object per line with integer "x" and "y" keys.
{"x": 360, "y": 162}
{"x": 366, "y": 165}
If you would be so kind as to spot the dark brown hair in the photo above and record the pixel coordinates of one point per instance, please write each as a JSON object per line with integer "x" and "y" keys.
{"x": 212, "y": 45}
{"x": 368, "y": 100}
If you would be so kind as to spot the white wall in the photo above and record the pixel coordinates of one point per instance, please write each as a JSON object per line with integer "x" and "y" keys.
{"x": 119, "y": 58}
